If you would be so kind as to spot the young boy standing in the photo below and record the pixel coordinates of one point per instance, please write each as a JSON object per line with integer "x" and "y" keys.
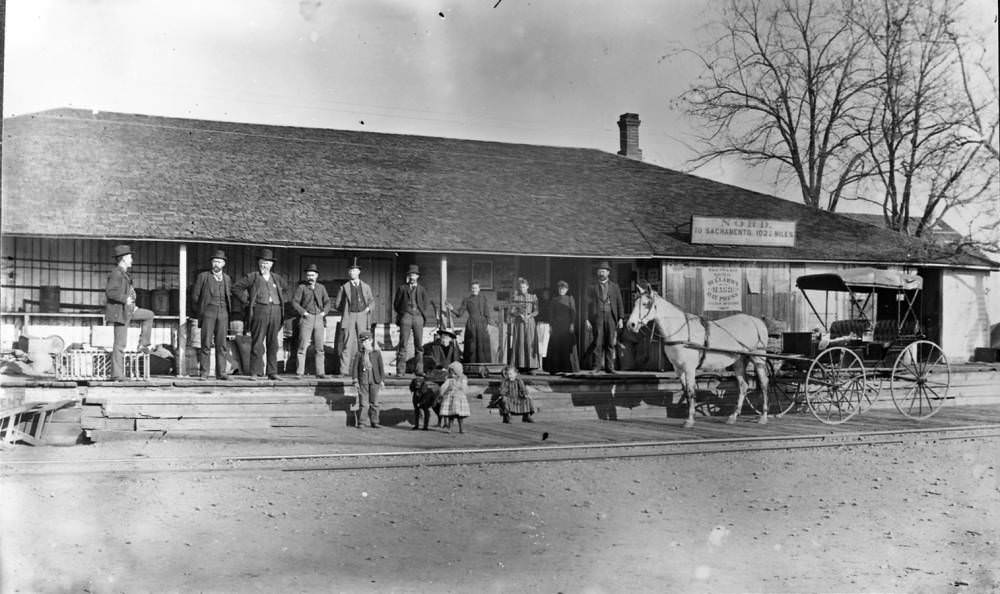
{"x": 368, "y": 375}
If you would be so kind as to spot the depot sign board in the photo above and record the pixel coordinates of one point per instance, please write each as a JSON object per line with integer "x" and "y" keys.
{"x": 727, "y": 231}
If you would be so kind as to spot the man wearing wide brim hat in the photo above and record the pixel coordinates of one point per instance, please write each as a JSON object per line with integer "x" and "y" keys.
{"x": 212, "y": 304}
{"x": 413, "y": 308}
{"x": 442, "y": 353}
{"x": 120, "y": 310}
{"x": 312, "y": 303}
{"x": 354, "y": 302}
{"x": 264, "y": 292}
{"x": 604, "y": 313}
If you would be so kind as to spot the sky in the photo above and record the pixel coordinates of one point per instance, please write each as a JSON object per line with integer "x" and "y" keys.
{"x": 552, "y": 72}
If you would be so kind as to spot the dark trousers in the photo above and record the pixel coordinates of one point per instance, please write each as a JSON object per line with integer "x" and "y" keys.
{"x": 214, "y": 326}
{"x": 265, "y": 323}
{"x": 121, "y": 337}
{"x": 605, "y": 341}
{"x": 410, "y": 323}
{"x": 368, "y": 402}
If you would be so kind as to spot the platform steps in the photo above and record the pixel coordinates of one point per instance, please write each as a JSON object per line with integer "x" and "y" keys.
{"x": 180, "y": 408}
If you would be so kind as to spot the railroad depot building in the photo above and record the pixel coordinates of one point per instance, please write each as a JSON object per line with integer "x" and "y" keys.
{"x": 75, "y": 183}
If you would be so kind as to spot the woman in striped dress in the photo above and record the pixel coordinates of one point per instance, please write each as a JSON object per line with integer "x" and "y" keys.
{"x": 523, "y": 353}
{"x": 454, "y": 403}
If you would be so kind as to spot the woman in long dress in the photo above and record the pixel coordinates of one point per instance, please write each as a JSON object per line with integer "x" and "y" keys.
{"x": 562, "y": 355}
{"x": 523, "y": 354}
{"x": 476, "y": 348}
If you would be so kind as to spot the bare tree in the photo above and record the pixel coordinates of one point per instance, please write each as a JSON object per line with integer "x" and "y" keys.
{"x": 784, "y": 84}
{"x": 931, "y": 137}
{"x": 851, "y": 98}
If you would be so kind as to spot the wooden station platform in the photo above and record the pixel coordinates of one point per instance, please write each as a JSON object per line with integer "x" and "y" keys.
{"x": 205, "y": 407}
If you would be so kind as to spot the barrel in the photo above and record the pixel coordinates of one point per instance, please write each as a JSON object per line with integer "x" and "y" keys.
{"x": 175, "y": 302}
{"x": 160, "y": 302}
{"x": 48, "y": 299}
{"x": 142, "y": 298}
{"x": 194, "y": 333}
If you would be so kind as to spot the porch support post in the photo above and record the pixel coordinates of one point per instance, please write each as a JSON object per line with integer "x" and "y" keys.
{"x": 663, "y": 279}
{"x": 182, "y": 309}
{"x": 444, "y": 285}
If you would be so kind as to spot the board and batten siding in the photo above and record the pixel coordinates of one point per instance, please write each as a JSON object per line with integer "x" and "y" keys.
{"x": 965, "y": 319}
{"x": 778, "y": 298}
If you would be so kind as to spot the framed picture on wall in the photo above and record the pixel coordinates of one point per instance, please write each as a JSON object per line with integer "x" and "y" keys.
{"x": 482, "y": 270}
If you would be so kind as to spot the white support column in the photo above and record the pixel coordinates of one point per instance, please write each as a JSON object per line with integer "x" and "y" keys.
{"x": 182, "y": 309}
{"x": 663, "y": 278}
{"x": 444, "y": 284}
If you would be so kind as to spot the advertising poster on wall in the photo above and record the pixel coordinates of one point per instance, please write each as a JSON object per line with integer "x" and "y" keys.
{"x": 722, "y": 289}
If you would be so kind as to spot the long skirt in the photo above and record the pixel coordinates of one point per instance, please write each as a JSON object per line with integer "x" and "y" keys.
{"x": 454, "y": 403}
{"x": 523, "y": 345}
{"x": 562, "y": 351}
{"x": 518, "y": 406}
{"x": 477, "y": 342}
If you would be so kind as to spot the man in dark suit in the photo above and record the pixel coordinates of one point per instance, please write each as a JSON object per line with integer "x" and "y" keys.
{"x": 604, "y": 312}
{"x": 212, "y": 303}
{"x": 264, "y": 293}
{"x": 312, "y": 303}
{"x": 413, "y": 309}
{"x": 120, "y": 310}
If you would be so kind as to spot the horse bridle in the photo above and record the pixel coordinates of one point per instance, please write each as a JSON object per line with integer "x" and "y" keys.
{"x": 645, "y": 318}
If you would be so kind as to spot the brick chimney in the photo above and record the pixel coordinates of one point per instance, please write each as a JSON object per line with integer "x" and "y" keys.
{"x": 628, "y": 125}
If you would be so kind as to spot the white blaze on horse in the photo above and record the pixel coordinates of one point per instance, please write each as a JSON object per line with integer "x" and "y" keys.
{"x": 691, "y": 343}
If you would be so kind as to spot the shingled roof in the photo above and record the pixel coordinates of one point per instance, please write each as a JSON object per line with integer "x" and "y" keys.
{"x": 109, "y": 175}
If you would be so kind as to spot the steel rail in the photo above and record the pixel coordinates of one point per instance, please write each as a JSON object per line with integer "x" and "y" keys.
{"x": 499, "y": 455}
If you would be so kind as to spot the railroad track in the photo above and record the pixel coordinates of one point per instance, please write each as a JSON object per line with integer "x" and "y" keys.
{"x": 331, "y": 462}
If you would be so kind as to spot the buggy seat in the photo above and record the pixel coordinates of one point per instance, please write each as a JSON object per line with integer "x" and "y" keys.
{"x": 841, "y": 328}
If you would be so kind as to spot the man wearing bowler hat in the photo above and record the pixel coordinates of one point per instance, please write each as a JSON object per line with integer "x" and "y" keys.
{"x": 413, "y": 308}
{"x": 354, "y": 302}
{"x": 312, "y": 303}
{"x": 212, "y": 303}
{"x": 120, "y": 310}
{"x": 604, "y": 312}
{"x": 264, "y": 293}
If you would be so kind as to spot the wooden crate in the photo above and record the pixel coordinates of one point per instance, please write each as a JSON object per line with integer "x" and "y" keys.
{"x": 96, "y": 365}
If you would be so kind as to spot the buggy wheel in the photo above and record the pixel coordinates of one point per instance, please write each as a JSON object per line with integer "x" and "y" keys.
{"x": 783, "y": 391}
{"x": 836, "y": 385}
{"x": 871, "y": 394}
{"x": 921, "y": 378}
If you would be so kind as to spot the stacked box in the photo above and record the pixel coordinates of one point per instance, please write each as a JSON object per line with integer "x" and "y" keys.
{"x": 92, "y": 364}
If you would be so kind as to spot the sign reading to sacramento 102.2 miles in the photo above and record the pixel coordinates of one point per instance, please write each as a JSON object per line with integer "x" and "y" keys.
{"x": 727, "y": 231}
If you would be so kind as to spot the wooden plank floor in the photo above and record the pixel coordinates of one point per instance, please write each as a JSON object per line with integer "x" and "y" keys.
{"x": 486, "y": 431}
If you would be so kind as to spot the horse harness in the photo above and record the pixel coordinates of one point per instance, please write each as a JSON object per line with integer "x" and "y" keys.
{"x": 703, "y": 348}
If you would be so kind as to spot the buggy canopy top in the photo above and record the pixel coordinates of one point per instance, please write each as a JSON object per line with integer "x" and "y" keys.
{"x": 861, "y": 280}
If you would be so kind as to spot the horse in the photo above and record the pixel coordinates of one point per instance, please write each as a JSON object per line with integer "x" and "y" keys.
{"x": 691, "y": 343}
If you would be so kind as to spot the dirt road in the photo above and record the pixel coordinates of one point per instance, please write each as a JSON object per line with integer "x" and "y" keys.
{"x": 900, "y": 518}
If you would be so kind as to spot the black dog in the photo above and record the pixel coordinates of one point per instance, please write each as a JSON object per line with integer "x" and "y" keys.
{"x": 426, "y": 397}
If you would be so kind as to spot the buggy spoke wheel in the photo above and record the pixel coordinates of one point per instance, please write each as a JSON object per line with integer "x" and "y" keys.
{"x": 783, "y": 390}
{"x": 921, "y": 379}
{"x": 870, "y": 395}
{"x": 835, "y": 385}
